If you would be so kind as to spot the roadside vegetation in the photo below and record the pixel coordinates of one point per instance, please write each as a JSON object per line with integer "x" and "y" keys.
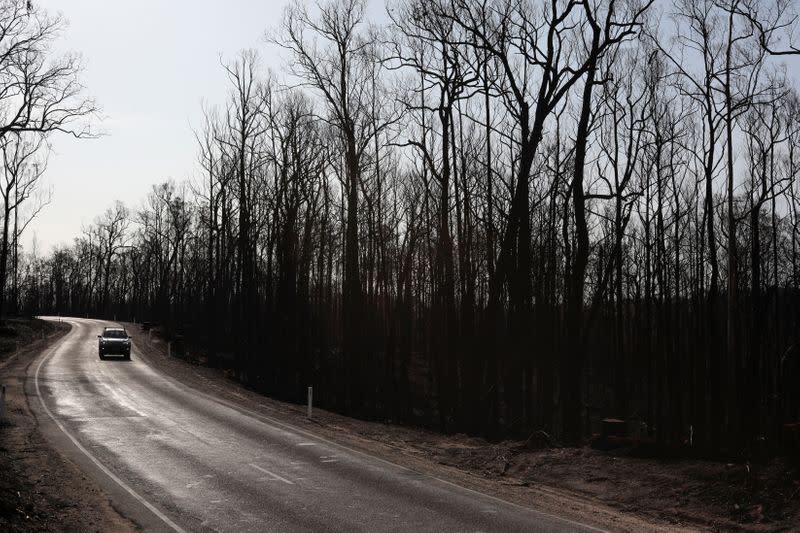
{"x": 498, "y": 218}
{"x": 41, "y": 96}
{"x": 16, "y": 333}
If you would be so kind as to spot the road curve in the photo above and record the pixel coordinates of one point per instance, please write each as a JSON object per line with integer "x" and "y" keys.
{"x": 173, "y": 459}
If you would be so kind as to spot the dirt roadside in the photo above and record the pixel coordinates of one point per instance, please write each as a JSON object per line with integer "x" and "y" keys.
{"x": 40, "y": 490}
{"x": 614, "y": 492}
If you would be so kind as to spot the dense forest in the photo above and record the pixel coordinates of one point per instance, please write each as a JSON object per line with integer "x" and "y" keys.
{"x": 488, "y": 216}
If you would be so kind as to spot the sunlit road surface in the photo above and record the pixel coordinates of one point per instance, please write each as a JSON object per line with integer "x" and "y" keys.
{"x": 172, "y": 458}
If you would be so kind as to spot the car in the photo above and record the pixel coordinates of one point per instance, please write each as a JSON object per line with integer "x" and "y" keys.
{"x": 114, "y": 340}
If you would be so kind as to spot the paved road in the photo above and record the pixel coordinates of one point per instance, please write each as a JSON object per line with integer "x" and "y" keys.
{"x": 173, "y": 458}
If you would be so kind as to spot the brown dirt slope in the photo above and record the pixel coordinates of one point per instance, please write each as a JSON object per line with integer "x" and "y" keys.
{"x": 39, "y": 489}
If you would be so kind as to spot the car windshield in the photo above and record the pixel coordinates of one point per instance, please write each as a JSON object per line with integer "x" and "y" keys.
{"x": 115, "y": 334}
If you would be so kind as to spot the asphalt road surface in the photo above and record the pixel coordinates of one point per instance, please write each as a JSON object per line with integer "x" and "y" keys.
{"x": 174, "y": 459}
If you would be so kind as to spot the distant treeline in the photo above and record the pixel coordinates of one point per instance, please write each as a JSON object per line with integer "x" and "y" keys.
{"x": 493, "y": 217}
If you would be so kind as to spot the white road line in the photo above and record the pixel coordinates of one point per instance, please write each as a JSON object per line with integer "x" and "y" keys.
{"x": 273, "y": 474}
{"x": 99, "y": 465}
{"x": 92, "y": 418}
{"x": 306, "y": 443}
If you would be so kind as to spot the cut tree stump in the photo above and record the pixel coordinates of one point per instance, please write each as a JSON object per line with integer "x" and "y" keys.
{"x": 613, "y": 427}
{"x": 791, "y": 437}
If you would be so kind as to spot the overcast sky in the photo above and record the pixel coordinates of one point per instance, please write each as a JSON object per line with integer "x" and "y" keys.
{"x": 149, "y": 64}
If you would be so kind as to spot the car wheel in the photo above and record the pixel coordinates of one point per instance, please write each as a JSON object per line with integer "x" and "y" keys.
{"x": 128, "y": 356}
{"x": 102, "y": 357}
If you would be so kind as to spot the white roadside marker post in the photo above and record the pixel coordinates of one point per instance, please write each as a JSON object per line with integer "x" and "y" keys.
{"x": 310, "y": 397}
{"x": 3, "y": 403}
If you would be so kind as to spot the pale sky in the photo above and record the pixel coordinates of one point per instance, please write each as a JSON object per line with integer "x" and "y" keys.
{"x": 149, "y": 64}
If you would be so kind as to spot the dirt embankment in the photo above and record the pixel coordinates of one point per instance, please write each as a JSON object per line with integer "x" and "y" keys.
{"x": 39, "y": 489}
{"x": 616, "y": 490}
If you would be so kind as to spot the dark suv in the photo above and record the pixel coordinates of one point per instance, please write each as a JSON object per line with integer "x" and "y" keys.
{"x": 116, "y": 341}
